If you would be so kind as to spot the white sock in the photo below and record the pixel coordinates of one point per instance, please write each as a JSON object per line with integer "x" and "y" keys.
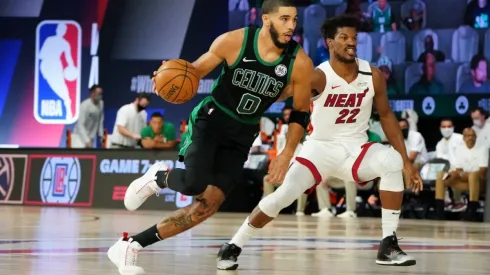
{"x": 245, "y": 232}
{"x": 389, "y": 221}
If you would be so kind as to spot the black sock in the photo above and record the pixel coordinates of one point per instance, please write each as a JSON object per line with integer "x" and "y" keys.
{"x": 162, "y": 179}
{"x": 147, "y": 237}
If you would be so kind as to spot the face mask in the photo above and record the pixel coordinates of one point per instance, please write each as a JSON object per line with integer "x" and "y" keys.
{"x": 97, "y": 98}
{"x": 140, "y": 108}
{"x": 405, "y": 133}
{"x": 447, "y": 132}
{"x": 477, "y": 123}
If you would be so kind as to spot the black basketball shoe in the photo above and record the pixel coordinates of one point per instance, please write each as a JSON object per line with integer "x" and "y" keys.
{"x": 228, "y": 257}
{"x": 390, "y": 253}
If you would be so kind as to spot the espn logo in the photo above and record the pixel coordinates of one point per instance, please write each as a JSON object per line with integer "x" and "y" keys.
{"x": 118, "y": 193}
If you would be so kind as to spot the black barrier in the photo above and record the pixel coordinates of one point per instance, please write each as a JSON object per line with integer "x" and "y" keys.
{"x": 84, "y": 178}
{"x": 12, "y": 177}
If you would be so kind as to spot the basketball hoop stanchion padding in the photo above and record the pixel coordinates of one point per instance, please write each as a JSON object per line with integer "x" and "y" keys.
{"x": 486, "y": 214}
{"x": 68, "y": 139}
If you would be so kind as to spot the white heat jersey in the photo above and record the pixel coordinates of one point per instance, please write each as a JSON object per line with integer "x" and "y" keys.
{"x": 342, "y": 111}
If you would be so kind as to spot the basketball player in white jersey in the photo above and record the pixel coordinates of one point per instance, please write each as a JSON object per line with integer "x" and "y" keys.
{"x": 345, "y": 89}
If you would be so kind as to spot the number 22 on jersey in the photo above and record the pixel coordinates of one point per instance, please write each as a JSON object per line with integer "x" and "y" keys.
{"x": 350, "y": 103}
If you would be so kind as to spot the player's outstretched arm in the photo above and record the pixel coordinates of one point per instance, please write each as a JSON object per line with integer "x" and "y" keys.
{"x": 390, "y": 126}
{"x": 298, "y": 121}
{"x": 222, "y": 49}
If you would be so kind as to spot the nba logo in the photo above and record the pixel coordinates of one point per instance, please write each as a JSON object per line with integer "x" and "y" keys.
{"x": 57, "y": 72}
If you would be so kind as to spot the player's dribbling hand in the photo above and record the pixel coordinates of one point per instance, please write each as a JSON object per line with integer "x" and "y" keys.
{"x": 416, "y": 183}
{"x": 278, "y": 168}
{"x": 153, "y": 89}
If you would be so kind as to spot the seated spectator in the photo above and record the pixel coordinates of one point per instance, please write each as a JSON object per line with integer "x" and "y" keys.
{"x": 429, "y": 49}
{"x": 391, "y": 85}
{"x": 477, "y": 14}
{"x": 450, "y": 142}
{"x": 479, "y": 82}
{"x": 159, "y": 134}
{"x": 130, "y": 120}
{"x": 428, "y": 84}
{"x": 322, "y": 54}
{"x": 415, "y": 19}
{"x": 481, "y": 126}
{"x": 354, "y": 8}
{"x": 415, "y": 143}
{"x": 382, "y": 18}
{"x": 469, "y": 175}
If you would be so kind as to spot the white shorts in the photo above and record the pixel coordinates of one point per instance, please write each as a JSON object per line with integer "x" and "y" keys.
{"x": 346, "y": 161}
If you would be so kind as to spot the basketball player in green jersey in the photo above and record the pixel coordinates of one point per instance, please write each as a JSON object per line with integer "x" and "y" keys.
{"x": 259, "y": 64}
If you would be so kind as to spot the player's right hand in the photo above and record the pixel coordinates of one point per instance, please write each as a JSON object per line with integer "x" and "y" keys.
{"x": 416, "y": 182}
{"x": 154, "y": 89}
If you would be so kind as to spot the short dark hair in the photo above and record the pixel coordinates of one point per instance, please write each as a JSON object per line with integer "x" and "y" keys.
{"x": 143, "y": 95}
{"x": 479, "y": 109}
{"x": 287, "y": 108}
{"x": 157, "y": 114}
{"x": 475, "y": 60}
{"x": 447, "y": 119}
{"x": 271, "y": 6}
{"x": 94, "y": 87}
{"x": 331, "y": 25}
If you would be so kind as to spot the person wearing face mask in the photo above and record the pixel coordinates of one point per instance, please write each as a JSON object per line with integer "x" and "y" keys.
{"x": 481, "y": 126}
{"x": 130, "y": 120}
{"x": 450, "y": 142}
{"x": 469, "y": 175}
{"x": 429, "y": 49}
{"x": 90, "y": 121}
{"x": 415, "y": 144}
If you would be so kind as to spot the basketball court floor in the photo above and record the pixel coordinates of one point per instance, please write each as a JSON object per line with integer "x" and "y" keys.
{"x": 68, "y": 241}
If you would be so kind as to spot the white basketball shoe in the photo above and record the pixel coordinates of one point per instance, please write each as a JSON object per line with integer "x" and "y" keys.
{"x": 123, "y": 254}
{"x": 143, "y": 187}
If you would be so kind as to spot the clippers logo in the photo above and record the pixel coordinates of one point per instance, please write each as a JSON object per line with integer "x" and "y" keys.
{"x": 57, "y": 72}
{"x": 6, "y": 177}
{"x": 60, "y": 180}
{"x": 182, "y": 200}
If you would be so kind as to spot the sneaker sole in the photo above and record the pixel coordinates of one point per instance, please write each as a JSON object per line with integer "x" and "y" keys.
{"x": 233, "y": 267}
{"x": 391, "y": 263}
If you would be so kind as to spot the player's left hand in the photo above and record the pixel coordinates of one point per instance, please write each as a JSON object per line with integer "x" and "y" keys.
{"x": 153, "y": 89}
{"x": 278, "y": 168}
{"x": 416, "y": 183}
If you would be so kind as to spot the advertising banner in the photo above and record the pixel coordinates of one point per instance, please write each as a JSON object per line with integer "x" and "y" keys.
{"x": 450, "y": 105}
{"x": 116, "y": 169}
{"x": 60, "y": 179}
{"x": 12, "y": 178}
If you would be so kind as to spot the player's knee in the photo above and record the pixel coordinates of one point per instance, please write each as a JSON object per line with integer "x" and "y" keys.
{"x": 391, "y": 160}
{"x": 269, "y": 205}
{"x": 391, "y": 171}
{"x": 195, "y": 183}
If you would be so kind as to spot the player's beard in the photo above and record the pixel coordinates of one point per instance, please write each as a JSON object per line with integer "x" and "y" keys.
{"x": 275, "y": 38}
{"x": 342, "y": 59}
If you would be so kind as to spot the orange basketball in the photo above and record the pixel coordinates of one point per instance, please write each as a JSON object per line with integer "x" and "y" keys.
{"x": 176, "y": 81}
